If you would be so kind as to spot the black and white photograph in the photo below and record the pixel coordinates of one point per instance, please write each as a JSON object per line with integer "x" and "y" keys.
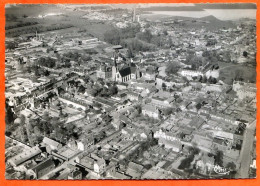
{"x": 130, "y": 91}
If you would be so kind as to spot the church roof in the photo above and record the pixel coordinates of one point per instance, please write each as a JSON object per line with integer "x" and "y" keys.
{"x": 125, "y": 71}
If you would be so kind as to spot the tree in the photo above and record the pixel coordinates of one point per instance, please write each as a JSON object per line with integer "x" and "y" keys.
{"x": 204, "y": 79}
{"x": 139, "y": 109}
{"x": 11, "y": 45}
{"x": 129, "y": 53}
{"x": 145, "y": 36}
{"x": 37, "y": 131}
{"x": 186, "y": 163}
{"x": 245, "y": 53}
{"x": 47, "y": 62}
{"x": 113, "y": 90}
{"x": 219, "y": 158}
{"x": 212, "y": 80}
{"x": 10, "y": 116}
{"x": 164, "y": 86}
{"x": 167, "y": 111}
{"x": 231, "y": 166}
{"x": 165, "y": 32}
{"x": 172, "y": 68}
{"x": 23, "y": 135}
{"x": 112, "y": 36}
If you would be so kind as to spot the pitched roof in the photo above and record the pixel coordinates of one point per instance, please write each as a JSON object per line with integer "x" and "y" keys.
{"x": 51, "y": 142}
{"x": 125, "y": 71}
{"x": 24, "y": 156}
{"x": 135, "y": 166}
{"x": 150, "y": 108}
{"x": 47, "y": 163}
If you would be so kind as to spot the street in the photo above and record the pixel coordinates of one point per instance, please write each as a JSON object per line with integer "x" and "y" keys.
{"x": 245, "y": 154}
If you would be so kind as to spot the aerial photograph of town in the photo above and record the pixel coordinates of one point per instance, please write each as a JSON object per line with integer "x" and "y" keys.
{"x": 130, "y": 91}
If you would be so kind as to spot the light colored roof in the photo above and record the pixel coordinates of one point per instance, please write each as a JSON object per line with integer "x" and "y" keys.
{"x": 51, "y": 142}
{"x": 223, "y": 134}
{"x": 150, "y": 108}
{"x": 24, "y": 156}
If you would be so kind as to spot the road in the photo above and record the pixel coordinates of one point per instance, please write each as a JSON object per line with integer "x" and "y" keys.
{"x": 247, "y": 147}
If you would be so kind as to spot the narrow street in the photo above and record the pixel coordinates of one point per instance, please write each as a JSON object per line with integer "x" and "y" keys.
{"x": 245, "y": 154}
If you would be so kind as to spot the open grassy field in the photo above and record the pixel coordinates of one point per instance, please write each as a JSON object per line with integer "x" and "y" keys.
{"x": 229, "y": 71}
{"x": 67, "y": 17}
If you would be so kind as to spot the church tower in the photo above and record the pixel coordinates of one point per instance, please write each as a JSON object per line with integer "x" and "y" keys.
{"x": 114, "y": 68}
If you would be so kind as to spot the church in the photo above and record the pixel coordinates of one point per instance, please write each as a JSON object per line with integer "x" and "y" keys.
{"x": 126, "y": 72}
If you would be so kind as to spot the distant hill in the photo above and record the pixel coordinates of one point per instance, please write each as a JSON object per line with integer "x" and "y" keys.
{"x": 209, "y": 18}
{"x": 169, "y": 8}
{"x": 226, "y": 6}
{"x": 209, "y": 22}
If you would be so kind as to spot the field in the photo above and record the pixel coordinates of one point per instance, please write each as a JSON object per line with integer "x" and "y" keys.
{"x": 229, "y": 71}
{"x": 30, "y": 13}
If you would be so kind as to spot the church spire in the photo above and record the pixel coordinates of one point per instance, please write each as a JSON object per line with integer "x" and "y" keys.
{"x": 115, "y": 64}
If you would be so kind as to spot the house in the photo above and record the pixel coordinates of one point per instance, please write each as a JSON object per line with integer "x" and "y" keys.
{"x": 149, "y": 74}
{"x": 51, "y": 144}
{"x": 213, "y": 88}
{"x": 134, "y": 170}
{"x": 161, "y": 102}
{"x": 223, "y": 135}
{"x": 120, "y": 97}
{"x": 133, "y": 96}
{"x": 196, "y": 122}
{"x": 174, "y": 145}
{"x": 221, "y": 144}
{"x": 92, "y": 162}
{"x": 190, "y": 73}
{"x": 119, "y": 176}
{"x": 205, "y": 164}
{"x": 151, "y": 111}
{"x": 85, "y": 161}
{"x": 75, "y": 174}
{"x": 86, "y": 141}
{"x": 104, "y": 72}
{"x": 42, "y": 168}
{"x": 244, "y": 90}
{"x": 122, "y": 86}
{"x": 203, "y": 142}
{"x": 128, "y": 133}
{"x": 24, "y": 167}
{"x": 165, "y": 135}
{"x": 99, "y": 165}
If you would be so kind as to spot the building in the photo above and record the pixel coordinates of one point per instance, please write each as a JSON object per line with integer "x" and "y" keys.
{"x": 125, "y": 73}
{"x": 190, "y": 73}
{"x": 151, "y": 111}
{"x": 132, "y": 96}
{"x": 134, "y": 170}
{"x": 162, "y": 102}
{"x": 149, "y": 74}
{"x": 24, "y": 156}
{"x": 42, "y": 168}
{"x": 51, "y": 144}
{"x": 104, "y": 72}
{"x": 244, "y": 90}
{"x": 166, "y": 135}
{"x": 175, "y": 146}
{"x": 75, "y": 174}
{"x": 85, "y": 142}
{"x": 99, "y": 165}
